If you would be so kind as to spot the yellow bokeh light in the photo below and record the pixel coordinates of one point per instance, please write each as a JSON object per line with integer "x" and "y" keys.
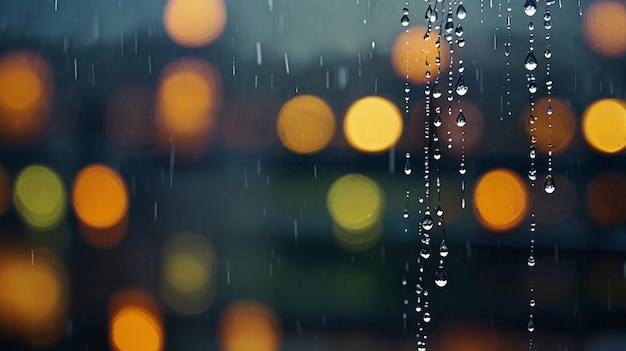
{"x": 248, "y": 326}
{"x": 500, "y": 200}
{"x": 188, "y": 98}
{"x": 189, "y": 268}
{"x": 33, "y": 293}
{"x": 373, "y": 124}
{"x": 604, "y": 29}
{"x": 25, "y": 95}
{"x": 135, "y": 322}
{"x": 606, "y": 199}
{"x": 39, "y": 196}
{"x": 355, "y": 202}
{"x": 5, "y": 190}
{"x": 305, "y": 124}
{"x": 557, "y": 128}
{"x": 99, "y": 196}
{"x": 194, "y": 23}
{"x": 410, "y": 54}
{"x": 604, "y": 125}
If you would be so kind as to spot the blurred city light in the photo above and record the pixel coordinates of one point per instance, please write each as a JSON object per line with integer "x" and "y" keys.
{"x": 306, "y": 124}
{"x": 247, "y": 325}
{"x": 557, "y": 128}
{"x": 373, "y": 124}
{"x": 194, "y": 23}
{"x": 500, "y": 200}
{"x": 355, "y": 202}
{"x": 604, "y": 29}
{"x": 135, "y": 322}
{"x": 39, "y": 196}
{"x": 604, "y": 125}
{"x": 412, "y": 55}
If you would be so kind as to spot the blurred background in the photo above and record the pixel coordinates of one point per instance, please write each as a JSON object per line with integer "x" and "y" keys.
{"x": 250, "y": 175}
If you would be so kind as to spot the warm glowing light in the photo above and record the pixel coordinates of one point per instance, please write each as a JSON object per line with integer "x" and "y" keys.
{"x": 99, "y": 196}
{"x": 604, "y": 125}
{"x": 135, "y": 322}
{"x": 373, "y": 124}
{"x": 189, "y": 268}
{"x": 188, "y": 98}
{"x": 130, "y": 116}
{"x": 467, "y": 138}
{"x": 33, "y": 293}
{"x": 604, "y": 29}
{"x": 412, "y": 55}
{"x": 355, "y": 202}
{"x": 500, "y": 200}
{"x": 305, "y": 124}
{"x": 25, "y": 95}
{"x": 467, "y": 337}
{"x": 40, "y": 197}
{"x": 5, "y": 190}
{"x": 557, "y": 128}
{"x": 606, "y": 199}
{"x": 248, "y": 326}
{"x": 194, "y": 23}
{"x": 357, "y": 241}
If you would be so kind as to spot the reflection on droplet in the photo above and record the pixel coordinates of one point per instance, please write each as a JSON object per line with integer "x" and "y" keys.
{"x": 460, "y": 119}
{"x": 404, "y": 21}
{"x": 427, "y": 222}
{"x": 531, "y": 61}
{"x": 530, "y": 7}
{"x": 443, "y": 249}
{"x": 441, "y": 278}
{"x": 531, "y": 324}
{"x": 531, "y": 261}
{"x": 549, "y": 185}
{"x": 461, "y": 13}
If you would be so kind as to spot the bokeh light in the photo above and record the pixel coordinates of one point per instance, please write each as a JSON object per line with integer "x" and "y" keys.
{"x": 466, "y": 138}
{"x": 247, "y": 325}
{"x": 33, "y": 294}
{"x": 500, "y": 200}
{"x": 604, "y": 29}
{"x": 135, "y": 322}
{"x": 411, "y": 53}
{"x": 373, "y": 124}
{"x": 194, "y": 23}
{"x": 5, "y": 190}
{"x": 39, "y": 197}
{"x": 606, "y": 199}
{"x": 305, "y": 124}
{"x": 129, "y": 120}
{"x": 557, "y": 128}
{"x": 467, "y": 337}
{"x": 26, "y": 89}
{"x": 99, "y": 196}
{"x": 188, "y": 274}
{"x": 188, "y": 97}
{"x": 355, "y": 202}
{"x": 604, "y": 125}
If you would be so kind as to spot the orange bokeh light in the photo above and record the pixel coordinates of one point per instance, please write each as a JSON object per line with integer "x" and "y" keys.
{"x": 500, "y": 200}
{"x": 135, "y": 322}
{"x": 604, "y": 125}
{"x": 606, "y": 199}
{"x": 194, "y": 23}
{"x": 129, "y": 120}
{"x": 604, "y": 29}
{"x": 411, "y": 52}
{"x": 188, "y": 98}
{"x": 563, "y": 122}
{"x": 373, "y": 124}
{"x": 26, "y": 85}
{"x": 306, "y": 124}
{"x": 248, "y": 326}
{"x": 5, "y": 190}
{"x": 99, "y": 197}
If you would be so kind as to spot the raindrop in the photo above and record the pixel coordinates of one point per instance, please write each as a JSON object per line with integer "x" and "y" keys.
{"x": 548, "y": 184}
{"x": 441, "y": 279}
{"x": 439, "y": 210}
{"x": 530, "y": 7}
{"x": 531, "y": 61}
{"x": 462, "y": 169}
{"x": 533, "y": 151}
{"x": 425, "y": 252}
{"x": 460, "y": 120}
{"x": 461, "y": 42}
{"x": 532, "y": 87}
{"x": 419, "y": 289}
{"x": 461, "y": 88}
{"x": 531, "y": 324}
{"x": 405, "y": 11}
{"x": 404, "y": 21}
{"x": 549, "y": 110}
{"x": 531, "y": 261}
{"x": 405, "y": 213}
{"x": 426, "y": 317}
{"x": 547, "y": 54}
{"x": 437, "y": 121}
{"x": 532, "y": 302}
{"x": 427, "y": 222}
{"x": 461, "y": 13}
{"x": 532, "y": 174}
{"x": 458, "y": 31}
{"x": 407, "y": 165}
{"x": 443, "y": 248}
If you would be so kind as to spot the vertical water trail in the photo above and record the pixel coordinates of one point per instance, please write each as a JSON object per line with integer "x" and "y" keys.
{"x": 548, "y": 186}
{"x": 507, "y": 53}
{"x": 461, "y": 90}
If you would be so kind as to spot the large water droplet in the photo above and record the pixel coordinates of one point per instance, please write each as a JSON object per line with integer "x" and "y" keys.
{"x": 531, "y": 324}
{"x": 547, "y": 53}
{"x": 439, "y": 210}
{"x": 460, "y": 119}
{"x": 458, "y": 31}
{"x": 462, "y": 169}
{"x": 461, "y": 88}
{"x": 404, "y": 21}
{"x": 532, "y": 87}
{"x": 419, "y": 289}
{"x": 461, "y": 13}
{"x": 531, "y": 61}
{"x": 426, "y": 317}
{"x": 531, "y": 261}
{"x": 443, "y": 248}
{"x": 427, "y": 222}
{"x": 437, "y": 121}
{"x": 441, "y": 278}
{"x": 407, "y": 165}
{"x": 548, "y": 184}
{"x": 405, "y": 11}
{"x": 533, "y": 152}
{"x": 530, "y": 7}
{"x": 532, "y": 303}
{"x": 425, "y": 252}
{"x": 405, "y": 213}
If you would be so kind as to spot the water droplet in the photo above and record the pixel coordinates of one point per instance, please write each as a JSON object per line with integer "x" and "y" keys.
{"x": 530, "y": 7}
{"x": 462, "y": 169}
{"x": 427, "y": 222}
{"x": 418, "y": 289}
{"x": 429, "y": 13}
{"x": 547, "y": 24}
{"x": 425, "y": 252}
{"x": 461, "y": 13}
{"x": 404, "y": 21}
{"x": 547, "y": 16}
{"x": 418, "y": 308}
{"x": 458, "y": 31}
{"x": 405, "y": 11}
{"x": 407, "y": 88}
{"x": 532, "y": 87}
{"x": 439, "y": 210}
{"x": 532, "y": 119}
{"x": 532, "y": 303}
{"x": 437, "y": 93}
{"x": 547, "y": 53}
{"x": 460, "y": 119}
{"x": 531, "y": 324}
{"x": 532, "y": 174}
{"x": 549, "y": 110}
{"x": 531, "y": 61}
{"x": 443, "y": 248}
{"x": 441, "y": 278}
{"x": 461, "y": 42}
{"x": 531, "y": 261}
{"x": 405, "y": 213}
{"x": 461, "y": 88}
{"x": 407, "y": 166}
{"x": 548, "y": 184}
{"x": 426, "y": 317}
{"x": 403, "y": 281}
{"x": 437, "y": 120}
{"x": 533, "y": 152}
